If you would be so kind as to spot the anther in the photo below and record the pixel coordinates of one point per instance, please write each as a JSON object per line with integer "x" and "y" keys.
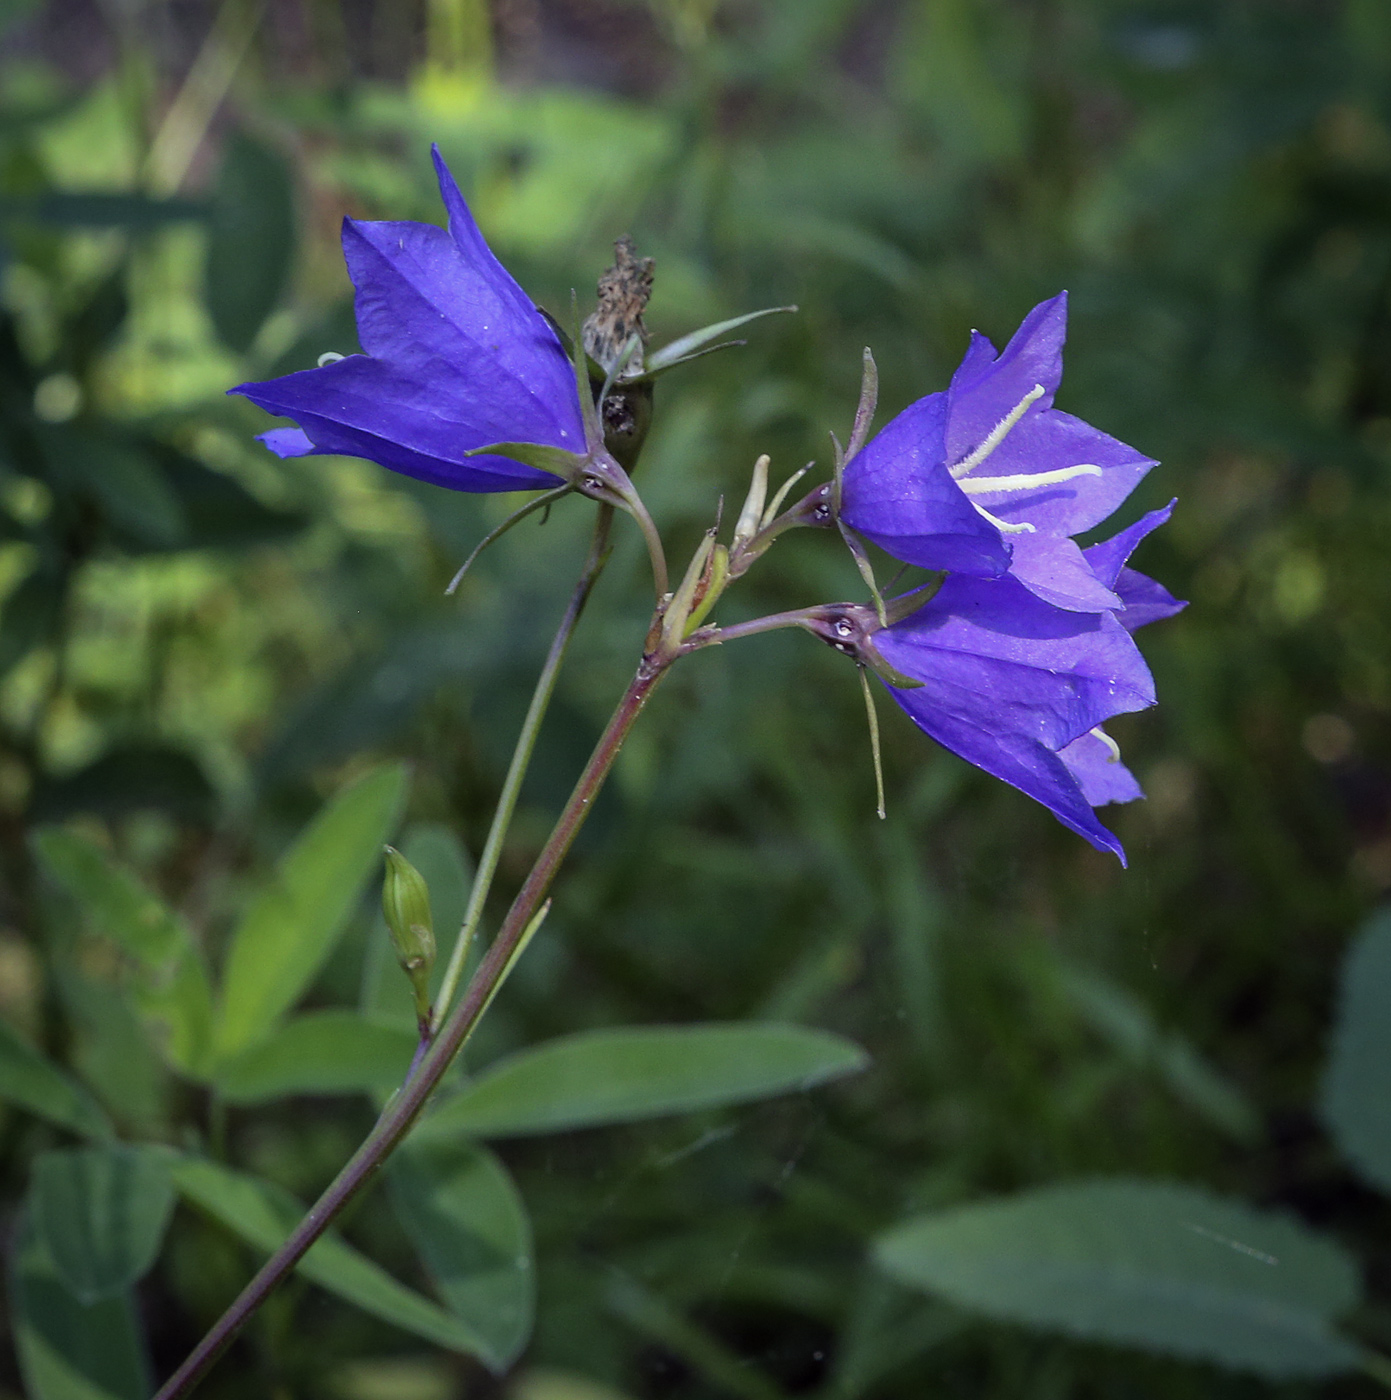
{"x": 998, "y": 433}
{"x": 1026, "y": 481}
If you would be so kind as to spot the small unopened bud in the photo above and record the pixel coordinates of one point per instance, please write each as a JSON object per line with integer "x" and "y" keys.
{"x": 406, "y": 905}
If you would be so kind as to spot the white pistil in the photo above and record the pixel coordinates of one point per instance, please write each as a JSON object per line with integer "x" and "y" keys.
{"x": 1005, "y": 527}
{"x": 1114, "y": 754}
{"x": 1026, "y": 481}
{"x": 998, "y": 433}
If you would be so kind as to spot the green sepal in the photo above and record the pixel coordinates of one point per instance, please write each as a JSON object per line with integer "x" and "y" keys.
{"x": 886, "y": 673}
{"x": 556, "y": 460}
{"x": 686, "y": 346}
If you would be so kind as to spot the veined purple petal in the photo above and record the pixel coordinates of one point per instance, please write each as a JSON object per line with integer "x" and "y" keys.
{"x": 1015, "y": 758}
{"x": 898, "y": 493}
{"x": 1058, "y": 572}
{"x": 1008, "y": 681}
{"x": 1144, "y": 600}
{"x": 457, "y": 357}
{"x": 1029, "y": 665}
{"x": 1051, "y": 441}
{"x": 1099, "y": 772}
{"x": 984, "y": 391}
{"x": 1109, "y": 557}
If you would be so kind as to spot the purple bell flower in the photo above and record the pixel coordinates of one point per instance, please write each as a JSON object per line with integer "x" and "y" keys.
{"x": 457, "y": 357}
{"x": 989, "y": 477}
{"x": 1020, "y": 688}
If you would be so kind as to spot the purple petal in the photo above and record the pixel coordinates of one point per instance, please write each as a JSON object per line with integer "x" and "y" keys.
{"x": 1145, "y": 600}
{"x": 1024, "y": 763}
{"x": 1056, "y": 571}
{"x": 898, "y": 493}
{"x": 1019, "y": 665}
{"x": 1047, "y": 441}
{"x": 1107, "y": 558}
{"x": 983, "y": 391}
{"x": 1099, "y": 772}
{"x": 286, "y": 442}
{"x": 457, "y": 357}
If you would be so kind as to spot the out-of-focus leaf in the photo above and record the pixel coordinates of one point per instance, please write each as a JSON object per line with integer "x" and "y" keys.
{"x": 33, "y": 1082}
{"x": 295, "y": 920}
{"x": 67, "y": 1350}
{"x": 469, "y": 1225}
{"x": 29, "y": 616}
{"x": 220, "y": 512}
{"x": 121, "y": 477}
{"x": 100, "y": 209}
{"x": 323, "y": 1052}
{"x": 171, "y": 986}
{"x": 101, "y": 1213}
{"x": 251, "y": 240}
{"x": 129, "y": 779}
{"x": 263, "y": 1215}
{"x": 1150, "y": 1264}
{"x": 369, "y": 702}
{"x": 635, "y": 1072}
{"x": 1127, "y": 1023}
{"x": 1356, "y": 1092}
{"x": 335, "y": 332}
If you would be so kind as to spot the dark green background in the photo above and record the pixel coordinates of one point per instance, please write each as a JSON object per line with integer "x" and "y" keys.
{"x": 198, "y": 643}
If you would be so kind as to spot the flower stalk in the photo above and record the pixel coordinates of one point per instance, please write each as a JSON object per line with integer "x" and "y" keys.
{"x": 405, "y": 1106}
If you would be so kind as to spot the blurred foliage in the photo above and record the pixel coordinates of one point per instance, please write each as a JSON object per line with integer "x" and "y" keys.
{"x": 200, "y": 644}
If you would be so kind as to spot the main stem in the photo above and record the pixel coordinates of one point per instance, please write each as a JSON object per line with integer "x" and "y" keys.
{"x": 521, "y": 758}
{"x": 403, "y": 1109}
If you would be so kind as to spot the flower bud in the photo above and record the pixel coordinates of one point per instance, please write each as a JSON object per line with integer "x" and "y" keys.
{"x": 406, "y": 905}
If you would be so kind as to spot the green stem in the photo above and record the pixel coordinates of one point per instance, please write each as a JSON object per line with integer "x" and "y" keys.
{"x": 521, "y": 758}
{"x": 405, "y": 1106}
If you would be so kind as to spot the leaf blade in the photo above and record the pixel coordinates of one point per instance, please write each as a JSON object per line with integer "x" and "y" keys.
{"x": 101, "y": 1214}
{"x": 295, "y": 920}
{"x": 31, "y": 1081}
{"x": 1149, "y": 1264}
{"x": 263, "y": 1215}
{"x": 622, "y": 1075}
{"x": 468, "y": 1224}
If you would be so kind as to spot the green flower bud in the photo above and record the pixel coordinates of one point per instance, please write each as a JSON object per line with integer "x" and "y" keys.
{"x": 406, "y": 905}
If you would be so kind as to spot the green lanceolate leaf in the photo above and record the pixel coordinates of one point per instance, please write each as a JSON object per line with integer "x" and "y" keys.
{"x": 634, "y": 1072}
{"x": 469, "y": 1226}
{"x": 68, "y": 1350}
{"x": 295, "y": 920}
{"x": 1150, "y": 1264}
{"x": 251, "y": 240}
{"x": 324, "y": 1052}
{"x": 689, "y": 345}
{"x": 31, "y": 1081}
{"x": 263, "y": 1215}
{"x": 1356, "y": 1091}
{"x": 170, "y": 984}
{"x": 101, "y": 1213}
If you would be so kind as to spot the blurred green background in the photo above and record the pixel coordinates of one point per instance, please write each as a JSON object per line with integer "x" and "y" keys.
{"x": 199, "y": 643}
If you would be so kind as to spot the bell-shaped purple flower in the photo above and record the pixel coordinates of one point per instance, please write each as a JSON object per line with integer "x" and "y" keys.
{"x": 989, "y": 477}
{"x": 457, "y": 357}
{"x": 1019, "y": 688}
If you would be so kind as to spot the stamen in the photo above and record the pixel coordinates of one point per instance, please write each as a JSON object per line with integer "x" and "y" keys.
{"x": 1114, "y": 755}
{"x": 1005, "y": 527}
{"x": 1026, "y": 481}
{"x": 998, "y": 433}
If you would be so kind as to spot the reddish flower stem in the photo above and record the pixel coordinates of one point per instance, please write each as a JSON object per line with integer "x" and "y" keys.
{"x": 403, "y": 1109}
